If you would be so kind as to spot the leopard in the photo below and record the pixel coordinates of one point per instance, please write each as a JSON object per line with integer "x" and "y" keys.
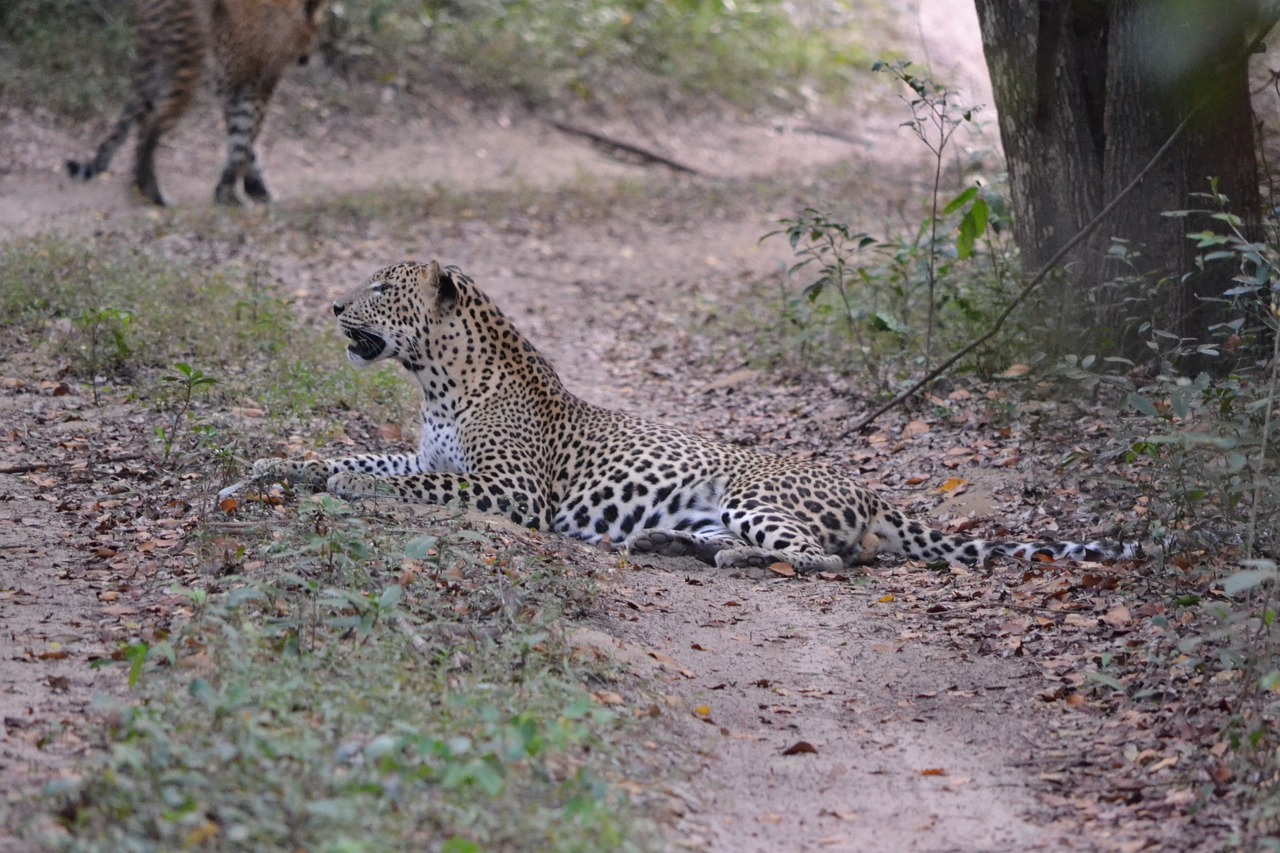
{"x": 502, "y": 435}
{"x": 250, "y": 43}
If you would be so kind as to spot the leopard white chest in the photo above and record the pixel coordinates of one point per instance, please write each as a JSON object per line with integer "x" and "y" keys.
{"x": 439, "y": 448}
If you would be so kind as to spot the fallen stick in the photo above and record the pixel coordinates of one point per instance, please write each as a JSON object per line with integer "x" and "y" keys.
{"x": 644, "y": 153}
{"x": 36, "y": 466}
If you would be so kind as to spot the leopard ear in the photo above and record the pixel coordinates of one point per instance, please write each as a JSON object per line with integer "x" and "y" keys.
{"x": 443, "y": 288}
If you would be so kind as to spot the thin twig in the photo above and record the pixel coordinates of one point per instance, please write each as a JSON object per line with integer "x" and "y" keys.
{"x": 37, "y": 466}
{"x": 644, "y": 153}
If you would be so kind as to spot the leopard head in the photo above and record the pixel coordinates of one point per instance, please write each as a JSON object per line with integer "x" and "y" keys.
{"x": 392, "y": 314}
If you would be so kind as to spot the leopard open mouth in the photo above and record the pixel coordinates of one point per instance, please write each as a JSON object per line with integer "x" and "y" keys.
{"x": 365, "y": 345}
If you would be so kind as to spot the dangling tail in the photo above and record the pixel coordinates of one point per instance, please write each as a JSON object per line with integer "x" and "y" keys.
{"x": 915, "y": 541}
{"x": 88, "y": 169}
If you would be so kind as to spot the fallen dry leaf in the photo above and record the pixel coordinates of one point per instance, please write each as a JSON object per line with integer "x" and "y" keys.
{"x": 914, "y": 428}
{"x": 1118, "y": 616}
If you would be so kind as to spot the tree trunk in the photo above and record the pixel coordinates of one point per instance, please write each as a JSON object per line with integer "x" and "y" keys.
{"x": 1082, "y": 109}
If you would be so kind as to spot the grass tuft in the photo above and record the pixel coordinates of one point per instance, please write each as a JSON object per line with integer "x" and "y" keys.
{"x": 340, "y": 702}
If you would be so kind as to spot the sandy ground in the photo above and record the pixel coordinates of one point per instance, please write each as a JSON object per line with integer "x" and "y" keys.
{"x": 911, "y": 745}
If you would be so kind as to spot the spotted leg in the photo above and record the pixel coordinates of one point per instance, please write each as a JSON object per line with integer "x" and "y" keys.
{"x": 316, "y": 472}
{"x": 516, "y": 498}
{"x": 769, "y": 534}
{"x": 400, "y": 476}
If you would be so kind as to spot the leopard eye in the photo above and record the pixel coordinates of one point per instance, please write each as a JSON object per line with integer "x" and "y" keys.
{"x": 378, "y": 288}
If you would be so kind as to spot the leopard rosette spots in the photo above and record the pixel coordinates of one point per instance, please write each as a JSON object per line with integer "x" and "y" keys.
{"x": 501, "y": 434}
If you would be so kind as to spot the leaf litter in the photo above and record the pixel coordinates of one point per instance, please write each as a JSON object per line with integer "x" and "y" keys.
{"x": 1053, "y": 676}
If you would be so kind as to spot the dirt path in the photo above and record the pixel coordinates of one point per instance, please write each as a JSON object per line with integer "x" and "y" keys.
{"x": 910, "y": 745}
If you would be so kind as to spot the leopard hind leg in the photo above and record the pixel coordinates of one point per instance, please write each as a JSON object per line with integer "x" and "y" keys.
{"x": 768, "y": 534}
{"x": 166, "y": 88}
{"x": 243, "y": 109}
{"x": 255, "y": 185}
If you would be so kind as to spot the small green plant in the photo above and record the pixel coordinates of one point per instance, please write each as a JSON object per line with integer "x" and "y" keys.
{"x": 869, "y": 299}
{"x": 188, "y": 380}
{"x": 884, "y": 304}
{"x": 107, "y": 348}
{"x": 935, "y": 117}
{"x": 830, "y": 249}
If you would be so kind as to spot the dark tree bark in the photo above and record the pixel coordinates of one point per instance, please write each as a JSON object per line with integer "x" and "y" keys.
{"x": 1087, "y": 91}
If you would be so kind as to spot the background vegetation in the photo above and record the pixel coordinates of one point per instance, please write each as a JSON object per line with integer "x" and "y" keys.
{"x": 602, "y": 52}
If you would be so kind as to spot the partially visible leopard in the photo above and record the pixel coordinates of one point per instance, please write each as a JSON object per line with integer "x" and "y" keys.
{"x": 501, "y": 434}
{"x": 252, "y": 42}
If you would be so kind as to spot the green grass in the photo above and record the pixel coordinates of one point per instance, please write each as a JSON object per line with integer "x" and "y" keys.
{"x": 69, "y": 56}
{"x": 749, "y": 53}
{"x": 376, "y": 690}
{"x": 72, "y": 56}
{"x": 340, "y": 680}
{"x": 121, "y": 313}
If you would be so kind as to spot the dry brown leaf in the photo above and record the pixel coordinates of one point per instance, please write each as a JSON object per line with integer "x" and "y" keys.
{"x": 914, "y": 428}
{"x": 1118, "y": 616}
{"x": 933, "y": 771}
{"x": 783, "y": 569}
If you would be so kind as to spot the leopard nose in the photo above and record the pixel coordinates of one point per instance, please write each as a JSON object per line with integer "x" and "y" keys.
{"x": 338, "y": 308}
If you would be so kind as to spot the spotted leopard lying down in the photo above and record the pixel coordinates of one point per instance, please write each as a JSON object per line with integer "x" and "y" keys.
{"x": 501, "y": 434}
